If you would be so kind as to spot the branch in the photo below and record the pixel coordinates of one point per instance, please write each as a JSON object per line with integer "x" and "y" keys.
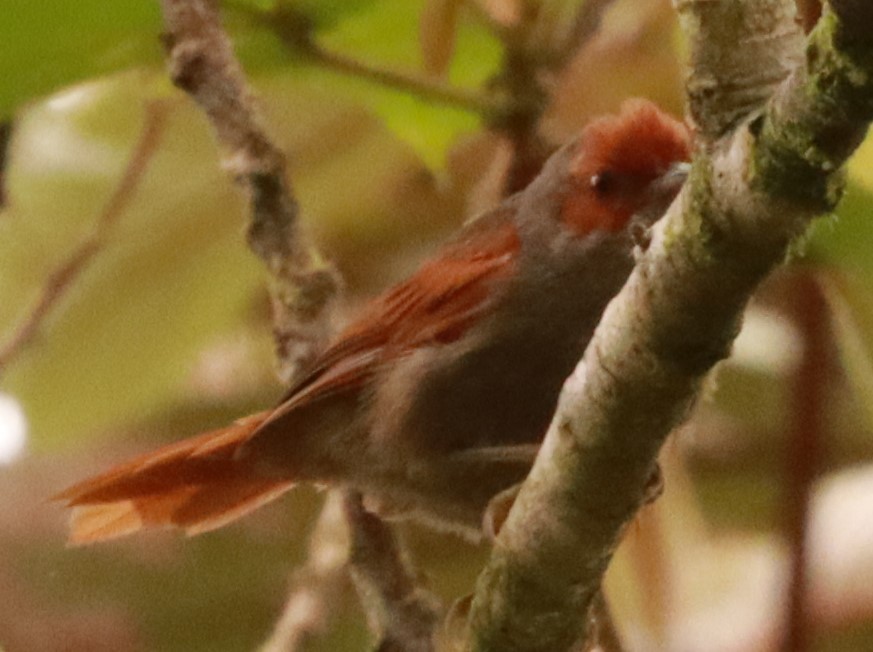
{"x": 62, "y": 278}
{"x": 585, "y": 27}
{"x": 201, "y": 62}
{"x": 294, "y": 30}
{"x": 750, "y": 193}
{"x": 804, "y": 453}
{"x": 317, "y": 586}
{"x": 420, "y": 87}
{"x": 736, "y": 68}
{"x": 401, "y": 613}
{"x": 530, "y": 61}
{"x": 604, "y": 635}
{"x": 348, "y": 539}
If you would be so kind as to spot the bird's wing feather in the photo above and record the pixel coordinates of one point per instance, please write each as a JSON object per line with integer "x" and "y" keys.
{"x": 437, "y": 305}
{"x": 204, "y": 482}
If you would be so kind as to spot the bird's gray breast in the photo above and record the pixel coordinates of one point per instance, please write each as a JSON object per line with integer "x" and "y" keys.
{"x": 498, "y": 385}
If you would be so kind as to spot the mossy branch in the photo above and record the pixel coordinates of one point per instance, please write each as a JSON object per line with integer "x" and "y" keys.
{"x": 201, "y": 61}
{"x": 761, "y": 174}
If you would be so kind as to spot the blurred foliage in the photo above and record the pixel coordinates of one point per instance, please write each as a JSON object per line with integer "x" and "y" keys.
{"x": 162, "y": 289}
{"x": 48, "y": 45}
{"x": 167, "y": 332}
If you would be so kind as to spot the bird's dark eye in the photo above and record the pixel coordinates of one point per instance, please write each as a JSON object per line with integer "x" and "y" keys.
{"x": 603, "y": 182}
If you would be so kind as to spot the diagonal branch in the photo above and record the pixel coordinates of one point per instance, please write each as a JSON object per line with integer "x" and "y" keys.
{"x": 750, "y": 193}
{"x": 586, "y": 25}
{"x": 530, "y": 60}
{"x": 804, "y": 453}
{"x": 318, "y": 585}
{"x": 401, "y": 613}
{"x": 201, "y": 61}
{"x": 294, "y": 30}
{"x": 62, "y": 278}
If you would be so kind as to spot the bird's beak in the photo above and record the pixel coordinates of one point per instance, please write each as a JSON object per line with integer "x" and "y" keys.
{"x": 669, "y": 183}
{"x": 661, "y": 193}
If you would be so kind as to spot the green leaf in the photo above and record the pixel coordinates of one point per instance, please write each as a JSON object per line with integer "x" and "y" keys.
{"x": 438, "y": 26}
{"x": 387, "y": 36}
{"x": 48, "y": 45}
{"x": 379, "y": 34}
{"x": 845, "y": 240}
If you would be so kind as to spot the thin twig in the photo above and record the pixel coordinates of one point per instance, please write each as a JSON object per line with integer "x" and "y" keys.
{"x": 650, "y": 562}
{"x": 62, "y": 278}
{"x": 804, "y": 452}
{"x": 522, "y": 82}
{"x": 294, "y": 31}
{"x": 401, "y": 613}
{"x": 201, "y": 61}
{"x": 527, "y": 63}
{"x": 585, "y": 27}
{"x": 316, "y": 587}
{"x": 421, "y": 87}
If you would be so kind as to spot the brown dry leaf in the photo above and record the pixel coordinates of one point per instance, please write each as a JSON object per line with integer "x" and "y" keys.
{"x": 438, "y": 27}
{"x": 505, "y": 13}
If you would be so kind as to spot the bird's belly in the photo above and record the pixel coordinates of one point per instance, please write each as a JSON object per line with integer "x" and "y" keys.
{"x": 496, "y": 396}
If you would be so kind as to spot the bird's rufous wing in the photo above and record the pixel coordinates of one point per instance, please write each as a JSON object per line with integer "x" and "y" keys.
{"x": 203, "y": 482}
{"x": 434, "y": 306}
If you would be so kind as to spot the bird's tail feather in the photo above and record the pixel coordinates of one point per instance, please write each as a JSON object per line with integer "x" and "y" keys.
{"x": 197, "y": 484}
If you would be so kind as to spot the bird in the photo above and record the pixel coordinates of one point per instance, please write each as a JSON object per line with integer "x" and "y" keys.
{"x": 435, "y": 399}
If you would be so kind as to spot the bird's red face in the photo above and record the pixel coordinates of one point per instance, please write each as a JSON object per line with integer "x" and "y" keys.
{"x": 625, "y": 164}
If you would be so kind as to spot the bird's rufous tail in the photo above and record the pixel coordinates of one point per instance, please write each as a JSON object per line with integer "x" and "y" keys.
{"x": 197, "y": 484}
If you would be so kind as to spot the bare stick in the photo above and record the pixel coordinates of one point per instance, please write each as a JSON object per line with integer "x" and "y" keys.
{"x": 294, "y": 31}
{"x": 523, "y": 81}
{"x": 201, "y": 61}
{"x": 318, "y": 585}
{"x": 62, "y": 278}
{"x": 401, "y": 613}
{"x": 804, "y": 452}
{"x": 585, "y": 27}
